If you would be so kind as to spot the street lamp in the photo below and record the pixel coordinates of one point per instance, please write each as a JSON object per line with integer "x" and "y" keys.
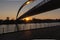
{"x": 26, "y": 3}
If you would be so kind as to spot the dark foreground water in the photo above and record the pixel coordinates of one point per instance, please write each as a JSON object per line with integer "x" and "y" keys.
{"x": 43, "y": 39}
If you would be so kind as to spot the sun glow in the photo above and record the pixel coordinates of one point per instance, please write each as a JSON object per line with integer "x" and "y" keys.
{"x": 27, "y": 19}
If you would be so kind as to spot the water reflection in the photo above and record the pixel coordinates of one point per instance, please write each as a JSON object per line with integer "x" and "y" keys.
{"x": 18, "y": 27}
{"x": 27, "y": 35}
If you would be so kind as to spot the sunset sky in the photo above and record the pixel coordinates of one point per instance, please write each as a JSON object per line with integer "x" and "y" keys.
{"x": 9, "y": 8}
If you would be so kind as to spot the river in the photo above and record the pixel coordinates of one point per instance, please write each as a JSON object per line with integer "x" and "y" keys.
{"x": 15, "y": 27}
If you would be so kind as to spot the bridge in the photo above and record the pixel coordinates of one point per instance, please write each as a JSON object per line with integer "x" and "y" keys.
{"x": 35, "y": 30}
{"x": 44, "y": 6}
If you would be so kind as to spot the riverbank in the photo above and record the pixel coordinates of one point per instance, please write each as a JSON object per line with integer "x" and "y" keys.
{"x": 30, "y": 21}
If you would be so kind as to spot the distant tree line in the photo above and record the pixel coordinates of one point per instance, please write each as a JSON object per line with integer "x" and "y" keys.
{"x": 7, "y": 21}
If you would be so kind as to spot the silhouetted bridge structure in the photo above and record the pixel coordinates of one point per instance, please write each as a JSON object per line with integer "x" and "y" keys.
{"x": 48, "y": 31}
{"x": 44, "y": 6}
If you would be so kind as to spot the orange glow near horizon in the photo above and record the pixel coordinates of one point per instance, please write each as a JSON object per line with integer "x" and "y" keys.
{"x": 27, "y": 19}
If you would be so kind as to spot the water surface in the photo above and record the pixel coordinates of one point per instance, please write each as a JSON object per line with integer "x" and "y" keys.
{"x": 15, "y": 27}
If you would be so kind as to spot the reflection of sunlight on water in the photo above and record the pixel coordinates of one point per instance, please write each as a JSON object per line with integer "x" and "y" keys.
{"x": 27, "y": 33}
{"x": 13, "y": 27}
